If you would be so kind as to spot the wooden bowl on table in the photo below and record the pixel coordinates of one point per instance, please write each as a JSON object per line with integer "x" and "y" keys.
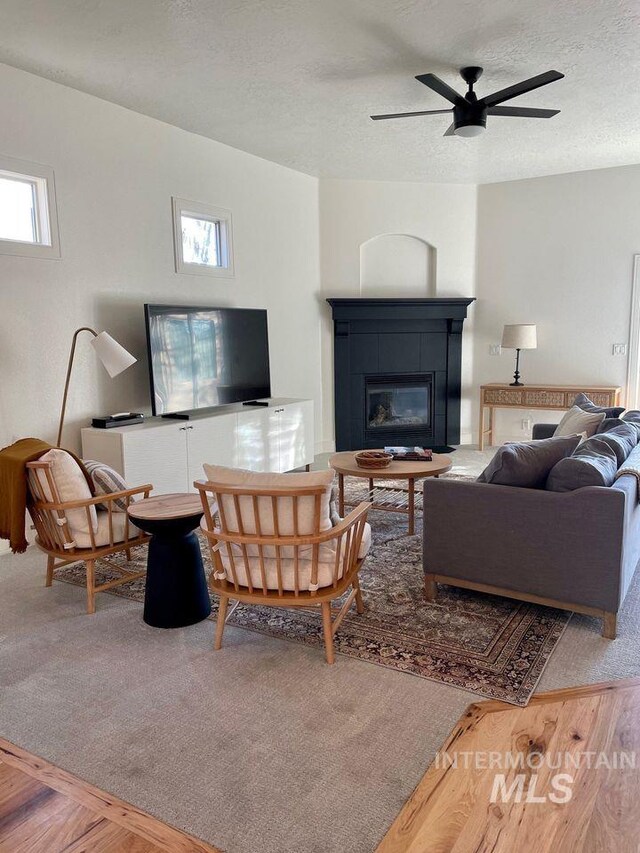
{"x": 373, "y": 459}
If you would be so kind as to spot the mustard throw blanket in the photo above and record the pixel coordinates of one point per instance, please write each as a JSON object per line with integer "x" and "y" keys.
{"x": 13, "y": 488}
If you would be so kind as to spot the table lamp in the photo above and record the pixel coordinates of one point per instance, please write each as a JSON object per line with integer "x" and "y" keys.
{"x": 517, "y": 337}
{"x": 114, "y": 357}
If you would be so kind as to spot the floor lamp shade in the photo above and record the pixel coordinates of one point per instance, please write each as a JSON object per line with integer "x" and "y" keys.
{"x": 114, "y": 357}
{"x": 519, "y": 336}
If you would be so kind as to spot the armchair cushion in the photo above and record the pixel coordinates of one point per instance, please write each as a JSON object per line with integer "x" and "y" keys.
{"x": 71, "y": 485}
{"x": 326, "y": 566}
{"x": 287, "y": 526}
{"x": 101, "y": 533}
{"x": 266, "y": 480}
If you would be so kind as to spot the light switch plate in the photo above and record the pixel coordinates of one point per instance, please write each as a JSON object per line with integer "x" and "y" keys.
{"x": 619, "y": 349}
{"x": 495, "y": 349}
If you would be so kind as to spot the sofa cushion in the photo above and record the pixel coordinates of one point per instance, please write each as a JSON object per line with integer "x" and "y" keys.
{"x": 527, "y": 464}
{"x": 587, "y": 405}
{"x": 621, "y": 439}
{"x": 71, "y": 485}
{"x": 106, "y": 480}
{"x": 593, "y": 463}
{"x": 578, "y": 422}
{"x": 609, "y": 424}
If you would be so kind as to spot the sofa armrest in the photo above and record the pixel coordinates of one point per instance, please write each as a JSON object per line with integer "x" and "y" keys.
{"x": 543, "y": 431}
{"x": 566, "y": 546}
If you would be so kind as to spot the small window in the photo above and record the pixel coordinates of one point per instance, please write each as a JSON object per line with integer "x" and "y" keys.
{"x": 28, "y": 224}
{"x": 202, "y": 238}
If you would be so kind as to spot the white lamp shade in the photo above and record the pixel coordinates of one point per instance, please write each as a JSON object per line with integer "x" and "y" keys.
{"x": 519, "y": 336}
{"x": 114, "y": 356}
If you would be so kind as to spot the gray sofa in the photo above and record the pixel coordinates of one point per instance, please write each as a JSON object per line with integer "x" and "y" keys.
{"x": 572, "y": 550}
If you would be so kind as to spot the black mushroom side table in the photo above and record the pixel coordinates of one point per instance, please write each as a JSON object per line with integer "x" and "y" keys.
{"x": 176, "y": 592}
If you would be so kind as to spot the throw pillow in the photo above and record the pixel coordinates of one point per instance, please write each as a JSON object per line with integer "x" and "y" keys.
{"x": 527, "y": 464}
{"x": 587, "y": 405}
{"x": 106, "y": 481}
{"x": 577, "y": 421}
{"x": 594, "y": 463}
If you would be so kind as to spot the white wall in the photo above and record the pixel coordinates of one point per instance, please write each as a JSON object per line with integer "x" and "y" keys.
{"x": 115, "y": 173}
{"x": 556, "y": 251}
{"x": 353, "y": 212}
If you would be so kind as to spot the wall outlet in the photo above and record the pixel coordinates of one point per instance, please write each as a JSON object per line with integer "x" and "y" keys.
{"x": 495, "y": 349}
{"x": 619, "y": 349}
{"x": 526, "y": 424}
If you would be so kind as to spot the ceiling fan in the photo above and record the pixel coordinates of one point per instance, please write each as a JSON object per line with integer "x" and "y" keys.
{"x": 469, "y": 112}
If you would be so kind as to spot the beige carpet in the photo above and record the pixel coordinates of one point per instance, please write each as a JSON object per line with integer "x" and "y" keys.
{"x": 262, "y": 749}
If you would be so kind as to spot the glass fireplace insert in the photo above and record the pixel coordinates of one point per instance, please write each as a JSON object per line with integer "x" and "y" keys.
{"x": 398, "y": 403}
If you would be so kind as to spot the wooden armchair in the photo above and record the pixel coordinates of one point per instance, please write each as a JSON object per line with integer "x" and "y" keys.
{"x": 108, "y": 531}
{"x": 267, "y": 548}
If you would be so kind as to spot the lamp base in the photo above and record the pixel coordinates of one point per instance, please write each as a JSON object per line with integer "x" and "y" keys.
{"x": 516, "y": 376}
{"x": 516, "y": 384}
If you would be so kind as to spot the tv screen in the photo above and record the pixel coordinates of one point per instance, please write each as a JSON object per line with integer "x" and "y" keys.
{"x": 203, "y": 357}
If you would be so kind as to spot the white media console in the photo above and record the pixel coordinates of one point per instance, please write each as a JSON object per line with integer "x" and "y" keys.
{"x": 170, "y": 453}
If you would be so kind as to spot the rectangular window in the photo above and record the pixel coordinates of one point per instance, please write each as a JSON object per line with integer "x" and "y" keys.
{"x": 28, "y": 224}
{"x": 202, "y": 239}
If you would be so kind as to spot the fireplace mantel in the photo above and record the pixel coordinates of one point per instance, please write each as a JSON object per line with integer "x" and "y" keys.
{"x": 375, "y": 338}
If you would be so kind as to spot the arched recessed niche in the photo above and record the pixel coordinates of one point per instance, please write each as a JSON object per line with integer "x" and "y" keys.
{"x": 397, "y": 265}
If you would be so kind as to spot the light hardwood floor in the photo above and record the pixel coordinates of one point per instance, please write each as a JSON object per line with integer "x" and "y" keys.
{"x": 451, "y": 810}
{"x": 45, "y": 810}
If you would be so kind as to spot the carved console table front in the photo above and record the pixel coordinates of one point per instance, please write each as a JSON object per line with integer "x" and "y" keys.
{"x": 497, "y": 396}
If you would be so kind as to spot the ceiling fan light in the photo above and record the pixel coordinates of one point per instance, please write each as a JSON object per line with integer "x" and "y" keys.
{"x": 468, "y": 130}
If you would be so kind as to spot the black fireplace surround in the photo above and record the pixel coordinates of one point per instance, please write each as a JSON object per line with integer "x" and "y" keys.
{"x": 397, "y": 365}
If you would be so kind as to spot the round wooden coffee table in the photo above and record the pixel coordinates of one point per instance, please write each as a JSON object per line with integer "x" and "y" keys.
{"x": 388, "y": 498}
{"x": 176, "y": 591}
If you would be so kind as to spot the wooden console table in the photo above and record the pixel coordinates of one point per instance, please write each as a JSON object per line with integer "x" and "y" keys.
{"x": 497, "y": 396}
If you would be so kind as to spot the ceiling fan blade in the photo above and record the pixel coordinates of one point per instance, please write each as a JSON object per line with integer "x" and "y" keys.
{"x": 440, "y": 87}
{"x": 408, "y": 115}
{"x": 523, "y": 112}
{"x": 521, "y": 88}
{"x": 450, "y": 131}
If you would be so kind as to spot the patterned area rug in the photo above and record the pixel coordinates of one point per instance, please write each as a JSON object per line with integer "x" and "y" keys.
{"x": 496, "y": 647}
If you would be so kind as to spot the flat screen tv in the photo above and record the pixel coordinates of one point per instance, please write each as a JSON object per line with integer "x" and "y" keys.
{"x": 205, "y": 357}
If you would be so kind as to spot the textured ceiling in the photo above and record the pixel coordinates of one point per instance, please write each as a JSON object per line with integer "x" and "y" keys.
{"x": 294, "y": 81}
